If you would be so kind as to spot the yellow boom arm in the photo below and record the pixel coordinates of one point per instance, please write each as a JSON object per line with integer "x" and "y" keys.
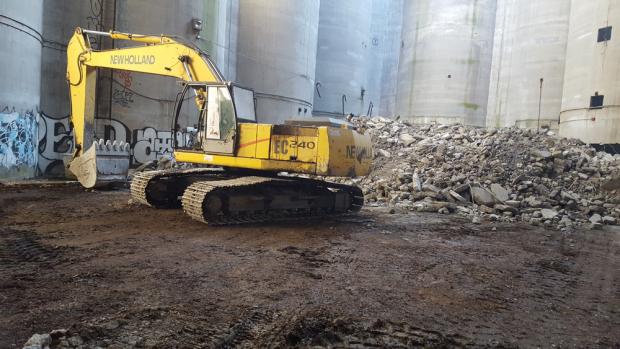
{"x": 160, "y": 55}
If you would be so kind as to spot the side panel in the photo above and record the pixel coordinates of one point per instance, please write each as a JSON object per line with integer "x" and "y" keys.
{"x": 322, "y": 157}
{"x": 263, "y": 140}
{"x": 249, "y": 163}
{"x": 294, "y": 148}
{"x": 281, "y": 148}
{"x": 306, "y": 148}
{"x": 246, "y": 147}
{"x": 321, "y": 150}
{"x": 294, "y": 143}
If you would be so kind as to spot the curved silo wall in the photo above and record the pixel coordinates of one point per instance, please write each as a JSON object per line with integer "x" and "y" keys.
{"x": 20, "y": 54}
{"x": 276, "y": 55}
{"x": 59, "y": 23}
{"x": 530, "y": 45}
{"x": 135, "y": 107}
{"x": 392, "y": 19}
{"x": 219, "y": 37}
{"x": 60, "y": 20}
{"x": 445, "y": 62}
{"x": 591, "y": 99}
{"x": 344, "y": 58}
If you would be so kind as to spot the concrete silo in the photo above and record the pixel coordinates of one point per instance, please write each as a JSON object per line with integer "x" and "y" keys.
{"x": 530, "y": 45}
{"x": 20, "y": 41}
{"x": 141, "y": 101}
{"x": 276, "y": 55}
{"x": 591, "y": 98}
{"x": 219, "y": 36}
{"x": 59, "y": 23}
{"x": 344, "y": 58}
{"x": 390, "y": 20}
{"x": 138, "y": 107}
{"x": 445, "y": 61}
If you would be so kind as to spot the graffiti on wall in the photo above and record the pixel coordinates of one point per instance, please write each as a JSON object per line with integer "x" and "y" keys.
{"x": 146, "y": 143}
{"x": 94, "y": 20}
{"x": 36, "y": 143}
{"x": 18, "y": 148}
{"x": 123, "y": 96}
{"x": 8, "y": 110}
{"x": 150, "y": 144}
{"x": 56, "y": 141}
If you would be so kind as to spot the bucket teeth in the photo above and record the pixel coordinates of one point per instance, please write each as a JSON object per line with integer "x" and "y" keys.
{"x": 111, "y": 147}
{"x": 105, "y": 161}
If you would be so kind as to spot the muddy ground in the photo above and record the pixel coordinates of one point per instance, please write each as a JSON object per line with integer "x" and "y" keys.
{"x": 120, "y": 275}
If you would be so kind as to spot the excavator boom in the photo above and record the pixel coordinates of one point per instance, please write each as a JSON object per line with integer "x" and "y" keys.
{"x": 96, "y": 164}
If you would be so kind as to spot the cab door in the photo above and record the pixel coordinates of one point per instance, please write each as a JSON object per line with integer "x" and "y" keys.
{"x": 220, "y": 121}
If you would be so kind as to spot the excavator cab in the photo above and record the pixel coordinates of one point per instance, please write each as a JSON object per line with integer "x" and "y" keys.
{"x": 219, "y": 108}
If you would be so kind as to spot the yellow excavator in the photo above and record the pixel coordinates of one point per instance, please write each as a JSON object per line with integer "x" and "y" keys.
{"x": 240, "y": 166}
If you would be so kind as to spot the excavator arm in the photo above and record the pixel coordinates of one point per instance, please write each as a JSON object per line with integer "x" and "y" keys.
{"x": 95, "y": 163}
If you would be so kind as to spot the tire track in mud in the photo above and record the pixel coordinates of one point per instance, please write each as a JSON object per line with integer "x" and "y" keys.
{"x": 321, "y": 329}
{"x": 310, "y": 261}
{"x": 261, "y": 328}
{"x": 21, "y": 249}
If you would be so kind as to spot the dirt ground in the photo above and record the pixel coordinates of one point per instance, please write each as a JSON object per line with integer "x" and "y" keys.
{"x": 119, "y": 275}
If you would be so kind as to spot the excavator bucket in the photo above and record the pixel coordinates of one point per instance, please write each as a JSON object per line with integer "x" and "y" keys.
{"x": 101, "y": 164}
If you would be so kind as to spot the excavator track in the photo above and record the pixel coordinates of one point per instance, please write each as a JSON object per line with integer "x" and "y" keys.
{"x": 217, "y": 197}
{"x": 252, "y": 199}
{"x": 162, "y": 188}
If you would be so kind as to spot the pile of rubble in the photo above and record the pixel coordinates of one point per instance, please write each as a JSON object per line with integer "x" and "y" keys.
{"x": 509, "y": 174}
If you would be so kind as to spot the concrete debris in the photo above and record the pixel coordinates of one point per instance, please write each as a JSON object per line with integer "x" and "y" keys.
{"x": 457, "y": 196}
{"x": 548, "y": 213}
{"x": 406, "y": 139}
{"x": 384, "y": 153}
{"x": 38, "y": 341}
{"x": 596, "y": 218}
{"x": 481, "y": 196}
{"x": 507, "y": 174}
{"x": 60, "y": 339}
{"x": 500, "y": 193}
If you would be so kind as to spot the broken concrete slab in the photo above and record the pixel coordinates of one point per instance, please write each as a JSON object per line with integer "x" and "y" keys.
{"x": 548, "y": 213}
{"x": 482, "y": 196}
{"x": 500, "y": 192}
{"x": 406, "y": 139}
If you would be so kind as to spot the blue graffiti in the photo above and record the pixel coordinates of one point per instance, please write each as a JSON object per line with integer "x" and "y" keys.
{"x": 18, "y": 140}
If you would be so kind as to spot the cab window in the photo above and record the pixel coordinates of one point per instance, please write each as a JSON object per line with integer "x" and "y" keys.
{"x": 220, "y": 113}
